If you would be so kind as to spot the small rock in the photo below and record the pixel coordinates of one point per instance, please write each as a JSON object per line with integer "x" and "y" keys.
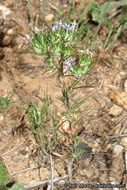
{"x": 15, "y": 158}
{"x": 49, "y": 18}
{"x": 23, "y": 152}
{"x": 1, "y": 118}
{"x": 118, "y": 149}
{"x": 125, "y": 85}
{"x": 5, "y": 11}
{"x": 123, "y": 141}
{"x": 9, "y": 129}
{"x": 67, "y": 128}
{"x": 7, "y": 40}
{"x": 84, "y": 151}
{"x": 123, "y": 74}
{"x": 10, "y": 31}
{"x": 119, "y": 98}
{"x": 115, "y": 110}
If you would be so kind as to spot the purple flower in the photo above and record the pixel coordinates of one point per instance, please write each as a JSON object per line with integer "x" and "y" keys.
{"x": 70, "y": 27}
{"x": 67, "y": 27}
{"x": 69, "y": 65}
{"x": 59, "y": 25}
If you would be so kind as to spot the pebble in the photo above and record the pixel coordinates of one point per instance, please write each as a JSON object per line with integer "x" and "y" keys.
{"x": 123, "y": 74}
{"x": 118, "y": 149}
{"x": 23, "y": 152}
{"x": 1, "y": 118}
{"x": 10, "y": 32}
{"x": 9, "y": 129}
{"x": 49, "y": 18}
{"x": 115, "y": 110}
{"x": 86, "y": 150}
{"x": 15, "y": 158}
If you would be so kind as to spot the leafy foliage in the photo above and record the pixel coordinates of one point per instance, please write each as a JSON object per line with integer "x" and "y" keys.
{"x": 44, "y": 129}
{"x": 5, "y": 102}
{"x": 4, "y": 176}
{"x": 98, "y": 12}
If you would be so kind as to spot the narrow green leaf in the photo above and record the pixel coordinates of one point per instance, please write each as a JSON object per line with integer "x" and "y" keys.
{"x": 78, "y": 104}
{"x": 44, "y": 9}
{"x": 72, "y": 86}
{"x": 121, "y": 3}
{"x": 83, "y": 87}
{"x": 52, "y": 115}
{"x": 83, "y": 15}
{"x": 79, "y": 7}
{"x": 107, "y": 7}
{"x": 79, "y": 111}
{"x": 57, "y": 10}
{"x": 73, "y": 9}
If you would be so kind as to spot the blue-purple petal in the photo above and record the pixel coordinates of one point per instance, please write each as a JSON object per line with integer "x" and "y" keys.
{"x": 71, "y": 28}
{"x": 66, "y": 62}
{"x": 73, "y": 62}
{"x": 71, "y": 68}
{"x": 66, "y": 26}
{"x": 65, "y": 70}
{"x": 69, "y": 65}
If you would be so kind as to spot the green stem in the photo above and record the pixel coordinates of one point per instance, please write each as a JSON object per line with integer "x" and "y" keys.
{"x": 61, "y": 68}
{"x": 44, "y": 9}
{"x": 97, "y": 30}
{"x": 30, "y": 13}
{"x": 108, "y": 38}
{"x": 115, "y": 37}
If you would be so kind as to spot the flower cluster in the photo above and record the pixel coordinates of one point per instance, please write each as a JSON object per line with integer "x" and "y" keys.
{"x": 82, "y": 68}
{"x": 57, "y": 45}
{"x": 59, "y": 25}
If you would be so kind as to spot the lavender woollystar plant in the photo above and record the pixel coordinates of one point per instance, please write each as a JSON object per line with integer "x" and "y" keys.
{"x": 60, "y": 48}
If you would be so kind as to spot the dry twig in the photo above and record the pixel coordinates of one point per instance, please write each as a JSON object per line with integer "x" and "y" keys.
{"x": 24, "y": 170}
{"x": 52, "y": 169}
{"x": 40, "y": 183}
{"x": 117, "y": 136}
{"x": 69, "y": 168}
{"x": 15, "y": 147}
{"x": 120, "y": 134}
